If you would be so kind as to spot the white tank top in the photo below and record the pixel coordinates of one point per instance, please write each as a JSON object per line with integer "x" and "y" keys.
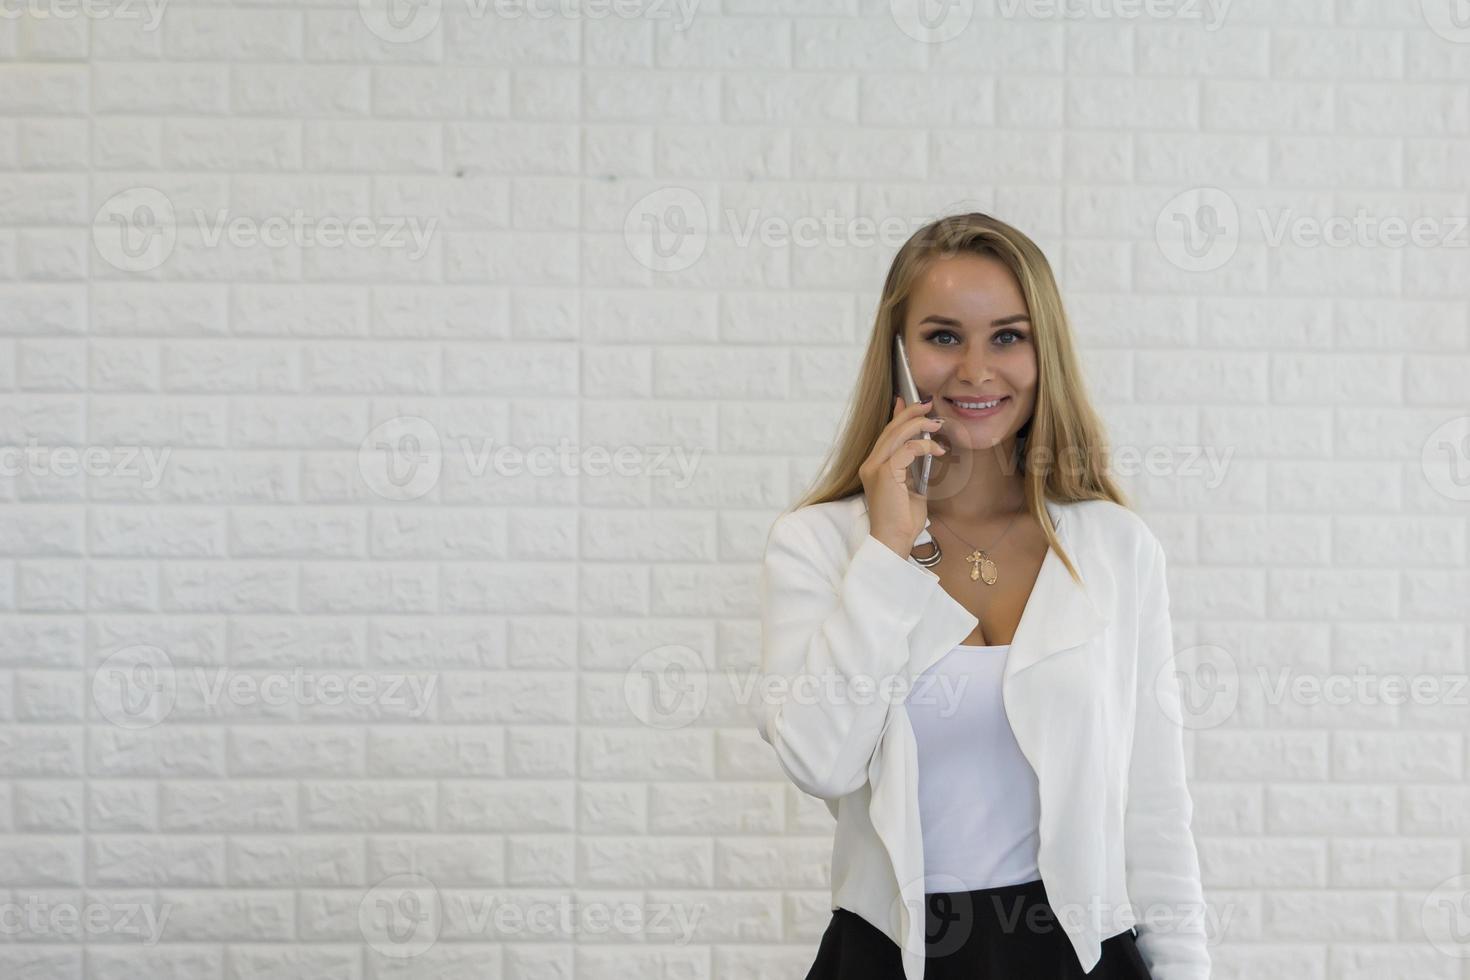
{"x": 979, "y": 802}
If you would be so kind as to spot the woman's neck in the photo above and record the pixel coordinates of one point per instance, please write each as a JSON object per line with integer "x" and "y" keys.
{"x": 973, "y": 487}
{"x": 975, "y": 508}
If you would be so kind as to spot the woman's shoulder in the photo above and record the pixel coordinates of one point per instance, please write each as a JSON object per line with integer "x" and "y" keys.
{"x": 830, "y": 522}
{"x": 831, "y": 516}
{"x": 1114, "y": 525}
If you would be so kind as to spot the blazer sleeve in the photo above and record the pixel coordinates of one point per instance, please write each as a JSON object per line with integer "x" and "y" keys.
{"x": 1162, "y": 866}
{"x": 831, "y": 644}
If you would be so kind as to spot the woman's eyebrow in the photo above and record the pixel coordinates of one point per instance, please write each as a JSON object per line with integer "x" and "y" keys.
{"x": 952, "y": 322}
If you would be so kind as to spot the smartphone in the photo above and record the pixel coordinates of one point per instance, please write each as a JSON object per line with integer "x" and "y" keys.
{"x": 909, "y": 392}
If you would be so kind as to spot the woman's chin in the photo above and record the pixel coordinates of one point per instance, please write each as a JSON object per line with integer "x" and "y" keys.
{"x": 960, "y": 441}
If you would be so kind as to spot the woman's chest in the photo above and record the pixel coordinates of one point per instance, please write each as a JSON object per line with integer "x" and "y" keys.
{"x": 998, "y": 605}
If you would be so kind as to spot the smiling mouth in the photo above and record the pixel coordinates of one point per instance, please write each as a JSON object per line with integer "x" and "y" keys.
{"x": 993, "y": 405}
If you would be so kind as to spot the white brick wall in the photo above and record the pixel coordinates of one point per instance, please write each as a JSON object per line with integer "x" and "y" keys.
{"x": 290, "y": 475}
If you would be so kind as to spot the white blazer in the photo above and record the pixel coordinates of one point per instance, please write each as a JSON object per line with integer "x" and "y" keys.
{"x": 1080, "y": 687}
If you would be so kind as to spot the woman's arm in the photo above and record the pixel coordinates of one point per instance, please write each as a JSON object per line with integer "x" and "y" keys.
{"x": 1162, "y": 865}
{"x": 819, "y": 637}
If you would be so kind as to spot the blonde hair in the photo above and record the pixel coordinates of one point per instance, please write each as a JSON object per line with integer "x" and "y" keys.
{"x": 1063, "y": 425}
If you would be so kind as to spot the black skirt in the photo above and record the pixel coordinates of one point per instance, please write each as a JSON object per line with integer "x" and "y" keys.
{"x": 1006, "y": 933}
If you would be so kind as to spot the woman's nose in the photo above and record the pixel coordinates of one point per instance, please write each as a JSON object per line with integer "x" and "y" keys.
{"x": 974, "y": 369}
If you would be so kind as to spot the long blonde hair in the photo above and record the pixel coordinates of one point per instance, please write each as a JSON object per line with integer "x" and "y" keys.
{"x": 1063, "y": 427}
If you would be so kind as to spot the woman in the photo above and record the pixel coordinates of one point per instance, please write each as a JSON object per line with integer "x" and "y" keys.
{"x": 978, "y": 681}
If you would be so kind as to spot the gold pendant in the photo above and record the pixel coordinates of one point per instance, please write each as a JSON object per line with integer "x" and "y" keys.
{"x": 981, "y": 567}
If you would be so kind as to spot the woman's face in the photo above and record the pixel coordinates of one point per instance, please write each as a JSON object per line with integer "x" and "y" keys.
{"x": 969, "y": 340}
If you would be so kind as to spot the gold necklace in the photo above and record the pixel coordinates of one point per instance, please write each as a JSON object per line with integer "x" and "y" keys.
{"x": 982, "y": 566}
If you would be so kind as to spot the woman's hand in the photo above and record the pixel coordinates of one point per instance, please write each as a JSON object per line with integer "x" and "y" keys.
{"x": 896, "y": 513}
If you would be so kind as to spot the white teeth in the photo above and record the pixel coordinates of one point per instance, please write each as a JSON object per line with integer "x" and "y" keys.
{"x": 977, "y": 405}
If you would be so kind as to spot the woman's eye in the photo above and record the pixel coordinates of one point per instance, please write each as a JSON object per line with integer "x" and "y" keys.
{"x": 934, "y": 337}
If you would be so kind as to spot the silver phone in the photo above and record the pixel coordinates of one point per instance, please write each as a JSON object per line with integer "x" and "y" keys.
{"x": 909, "y": 392}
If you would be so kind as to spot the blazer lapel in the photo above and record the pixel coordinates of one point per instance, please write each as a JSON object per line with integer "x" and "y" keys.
{"x": 1059, "y": 615}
